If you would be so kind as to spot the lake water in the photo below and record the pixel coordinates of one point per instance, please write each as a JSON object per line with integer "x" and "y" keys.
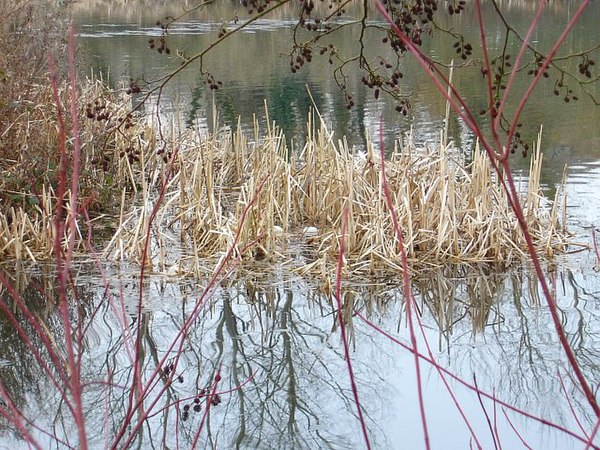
{"x": 275, "y": 334}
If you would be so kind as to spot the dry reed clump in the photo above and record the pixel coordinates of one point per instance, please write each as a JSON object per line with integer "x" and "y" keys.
{"x": 289, "y": 206}
{"x": 112, "y": 138}
{"x": 31, "y": 137}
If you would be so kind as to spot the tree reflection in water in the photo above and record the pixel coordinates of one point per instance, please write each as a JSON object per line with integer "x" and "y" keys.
{"x": 284, "y": 381}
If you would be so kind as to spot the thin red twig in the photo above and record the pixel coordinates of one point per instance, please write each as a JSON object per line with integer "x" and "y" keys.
{"x": 408, "y": 300}
{"x": 340, "y": 318}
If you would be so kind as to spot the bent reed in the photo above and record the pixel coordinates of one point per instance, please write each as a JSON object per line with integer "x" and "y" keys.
{"x": 450, "y": 210}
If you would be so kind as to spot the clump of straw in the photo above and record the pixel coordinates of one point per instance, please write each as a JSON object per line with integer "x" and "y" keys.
{"x": 450, "y": 210}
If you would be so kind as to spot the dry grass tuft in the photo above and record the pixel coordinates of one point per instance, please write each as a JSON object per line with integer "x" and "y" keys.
{"x": 31, "y": 157}
{"x": 450, "y": 210}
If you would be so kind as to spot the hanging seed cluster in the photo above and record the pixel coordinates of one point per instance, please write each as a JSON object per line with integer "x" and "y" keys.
{"x": 302, "y": 55}
{"x": 517, "y": 142}
{"x": 413, "y": 18}
{"x": 212, "y": 83}
{"x": 204, "y": 395}
{"x": 562, "y": 89}
{"x": 463, "y": 49}
{"x": 538, "y": 63}
{"x": 256, "y": 5}
{"x": 456, "y": 7}
{"x": 584, "y": 66}
{"x": 97, "y": 111}
{"x": 387, "y": 79}
{"x": 134, "y": 87}
{"x": 160, "y": 44}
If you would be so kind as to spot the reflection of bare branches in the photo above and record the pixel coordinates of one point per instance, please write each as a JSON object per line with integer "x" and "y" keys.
{"x": 283, "y": 364}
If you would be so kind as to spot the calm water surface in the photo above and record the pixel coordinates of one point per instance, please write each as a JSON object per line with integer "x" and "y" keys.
{"x": 276, "y": 334}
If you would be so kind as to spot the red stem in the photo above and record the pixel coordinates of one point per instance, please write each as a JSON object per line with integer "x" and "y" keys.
{"x": 511, "y": 79}
{"x": 509, "y": 184}
{"x": 516, "y": 431}
{"x": 408, "y": 300}
{"x": 340, "y": 318}
{"x": 208, "y": 405}
{"x": 472, "y": 387}
{"x": 488, "y": 69}
{"x": 182, "y": 333}
{"x": 542, "y": 69}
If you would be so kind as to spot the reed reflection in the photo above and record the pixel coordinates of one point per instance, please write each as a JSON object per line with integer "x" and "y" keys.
{"x": 273, "y": 342}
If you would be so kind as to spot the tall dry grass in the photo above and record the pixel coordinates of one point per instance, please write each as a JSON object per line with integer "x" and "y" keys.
{"x": 451, "y": 207}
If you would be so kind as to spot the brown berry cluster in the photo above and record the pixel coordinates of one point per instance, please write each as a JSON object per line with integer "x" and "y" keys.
{"x": 133, "y": 155}
{"x": 349, "y": 100}
{"x": 127, "y": 121}
{"x": 584, "y": 66}
{"x": 500, "y": 66}
{"x": 169, "y": 366}
{"x": 403, "y": 106}
{"x": 102, "y": 163}
{"x": 302, "y": 55}
{"x": 539, "y": 62}
{"x": 96, "y": 111}
{"x": 160, "y": 45}
{"x": 256, "y": 5}
{"x": 310, "y": 25}
{"x": 456, "y": 7}
{"x": 166, "y": 154}
{"x": 462, "y": 48}
{"x": 390, "y": 83}
{"x": 561, "y": 88}
{"x": 212, "y": 82}
{"x": 412, "y": 17}
{"x": 204, "y": 394}
{"x": 307, "y": 7}
{"x": 196, "y": 405}
{"x": 517, "y": 142}
{"x": 133, "y": 88}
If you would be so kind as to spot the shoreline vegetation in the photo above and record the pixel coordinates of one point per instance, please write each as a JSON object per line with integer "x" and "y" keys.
{"x": 270, "y": 202}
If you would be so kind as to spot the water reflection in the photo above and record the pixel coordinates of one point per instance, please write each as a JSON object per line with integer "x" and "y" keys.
{"x": 284, "y": 379}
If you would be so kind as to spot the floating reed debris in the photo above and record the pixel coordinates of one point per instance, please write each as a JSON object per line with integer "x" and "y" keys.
{"x": 450, "y": 210}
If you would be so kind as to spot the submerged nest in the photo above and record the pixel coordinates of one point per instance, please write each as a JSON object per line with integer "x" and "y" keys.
{"x": 268, "y": 202}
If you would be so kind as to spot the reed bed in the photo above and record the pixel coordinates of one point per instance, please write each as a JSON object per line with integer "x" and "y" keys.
{"x": 113, "y": 140}
{"x": 450, "y": 209}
